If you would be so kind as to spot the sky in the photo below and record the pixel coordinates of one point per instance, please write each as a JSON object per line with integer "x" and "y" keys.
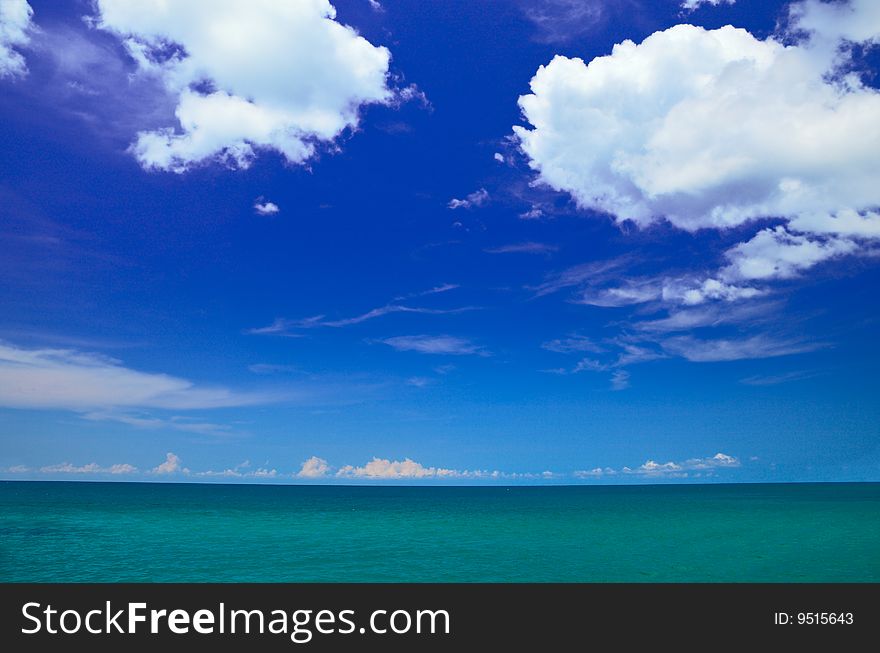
{"x": 504, "y": 242}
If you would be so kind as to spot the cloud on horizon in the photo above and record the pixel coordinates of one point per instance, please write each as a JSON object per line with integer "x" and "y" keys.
{"x": 651, "y": 468}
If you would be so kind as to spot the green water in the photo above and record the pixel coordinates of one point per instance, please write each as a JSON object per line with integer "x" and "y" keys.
{"x": 111, "y": 532}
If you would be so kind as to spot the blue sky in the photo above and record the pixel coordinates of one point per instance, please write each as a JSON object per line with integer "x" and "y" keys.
{"x": 496, "y": 242}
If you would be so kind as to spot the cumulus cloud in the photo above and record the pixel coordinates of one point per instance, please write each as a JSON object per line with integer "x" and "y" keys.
{"x": 69, "y": 379}
{"x": 219, "y": 60}
{"x": 425, "y": 344}
{"x": 473, "y": 200}
{"x": 716, "y": 128}
{"x": 263, "y": 207}
{"x": 15, "y": 28}
{"x": 172, "y": 465}
{"x": 384, "y": 468}
{"x": 681, "y": 469}
{"x": 314, "y": 467}
{"x": 705, "y": 128}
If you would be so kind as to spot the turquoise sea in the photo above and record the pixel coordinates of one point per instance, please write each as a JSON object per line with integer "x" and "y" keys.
{"x": 110, "y": 532}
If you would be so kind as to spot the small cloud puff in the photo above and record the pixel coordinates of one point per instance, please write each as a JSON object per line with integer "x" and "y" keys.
{"x": 266, "y": 207}
{"x": 314, "y": 467}
{"x": 172, "y": 465}
{"x": 473, "y": 200}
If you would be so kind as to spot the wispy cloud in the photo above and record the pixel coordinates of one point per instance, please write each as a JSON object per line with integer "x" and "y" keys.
{"x": 776, "y": 379}
{"x": 436, "y": 290}
{"x": 619, "y": 380}
{"x": 284, "y": 327}
{"x": 473, "y": 200}
{"x": 593, "y": 273}
{"x": 176, "y": 422}
{"x": 395, "y": 308}
{"x": 712, "y": 315}
{"x": 271, "y": 368}
{"x": 523, "y": 248}
{"x": 293, "y": 328}
{"x": 723, "y": 349}
{"x": 572, "y": 344}
{"x": 442, "y": 344}
{"x": 82, "y": 381}
{"x": 560, "y": 21}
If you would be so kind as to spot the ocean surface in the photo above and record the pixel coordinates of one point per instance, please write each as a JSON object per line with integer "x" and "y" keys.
{"x": 108, "y": 532}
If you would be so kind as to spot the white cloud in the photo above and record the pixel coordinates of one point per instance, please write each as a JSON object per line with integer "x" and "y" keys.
{"x": 681, "y": 469}
{"x": 435, "y": 345}
{"x": 123, "y": 468}
{"x": 91, "y": 468}
{"x": 172, "y": 465}
{"x": 690, "y": 5}
{"x": 268, "y": 74}
{"x": 714, "y": 128}
{"x": 498, "y": 157}
{"x": 692, "y": 292}
{"x": 239, "y": 471}
{"x": 314, "y": 467}
{"x": 266, "y": 208}
{"x": 523, "y": 248}
{"x": 704, "y": 128}
{"x": 65, "y": 378}
{"x": 596, "y": 472}
{"x": 854, "y": 21}
{"x": 15, "y": 28}
{"x": 473, "y": 200}
{"x": 533, "y": 213}
{"x": 778, "y": 254}
{"x": 384, "y": 468}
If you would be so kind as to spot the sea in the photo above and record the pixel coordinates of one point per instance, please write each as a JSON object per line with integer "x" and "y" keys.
{"x": 163, "y": 532}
